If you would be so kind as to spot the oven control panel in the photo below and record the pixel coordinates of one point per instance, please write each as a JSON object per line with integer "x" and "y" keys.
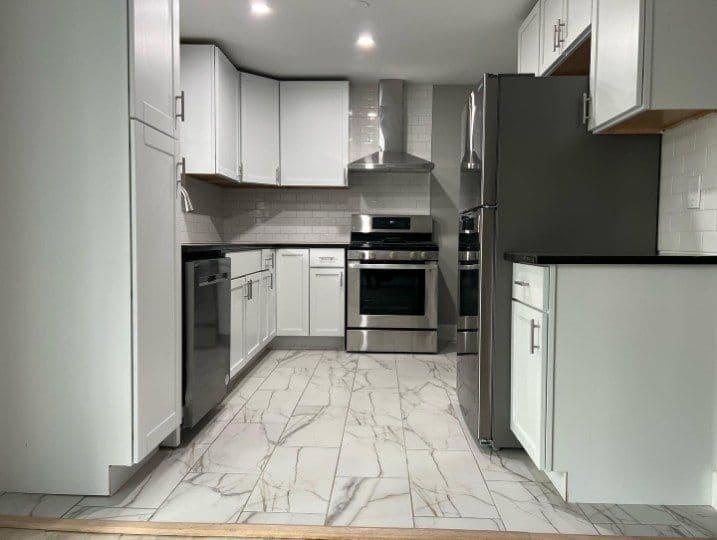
{"x": 391, "y": 255}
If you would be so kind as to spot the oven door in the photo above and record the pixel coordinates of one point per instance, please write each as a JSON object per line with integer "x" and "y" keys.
{"x": 468, "y": 296}
{"x": 392, "y": 295}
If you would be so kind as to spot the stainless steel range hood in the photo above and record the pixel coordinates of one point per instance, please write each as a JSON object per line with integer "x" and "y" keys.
{"x": 392, "y": 155}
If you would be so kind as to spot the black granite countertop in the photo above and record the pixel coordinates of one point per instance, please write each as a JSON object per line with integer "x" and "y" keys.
{"x": 217, "y": 250}
{"x": 554, "y": 258}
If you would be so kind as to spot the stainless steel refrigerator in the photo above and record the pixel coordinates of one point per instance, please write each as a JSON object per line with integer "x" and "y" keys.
{"x": 534, "y": 179}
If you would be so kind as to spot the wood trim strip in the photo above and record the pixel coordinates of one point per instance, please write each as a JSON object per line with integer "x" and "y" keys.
{"x": 243, "y": 530}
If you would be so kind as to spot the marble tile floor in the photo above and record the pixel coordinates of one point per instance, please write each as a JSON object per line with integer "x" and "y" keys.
{"x": 328, "y": 437}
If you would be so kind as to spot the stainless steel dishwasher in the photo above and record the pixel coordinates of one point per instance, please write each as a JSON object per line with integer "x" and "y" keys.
{"x": 206, "y": 336}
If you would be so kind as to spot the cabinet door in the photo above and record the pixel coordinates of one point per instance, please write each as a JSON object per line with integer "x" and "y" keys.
{"x": 578, "y": 14}
{"x": 314, "y": 133}
{"x": 154, "y": 248}
{"x": 252, "y": 316}
{"x": 154, "y": 48}
{"x": 198, "y": 135}
{"x": 551, "y": 16}
{"x": 616, "y": 59}
{"x": 226, "y": 116}
{"x": 292, "y": 292}
{"x": 263, "y": 307}
{"x": 327, "y": 302}
{"x": 259, "y": 129}
{"x": 236, "y": 347}
{"x": 529, "y": 43}
{"x": 528, "y": 378}
{"x": 271, "y": 307}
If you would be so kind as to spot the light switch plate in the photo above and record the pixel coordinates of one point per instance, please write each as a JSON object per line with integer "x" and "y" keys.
{"x": 694, "y": 191}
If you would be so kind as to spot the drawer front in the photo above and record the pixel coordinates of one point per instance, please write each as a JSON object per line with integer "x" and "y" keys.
{"x": 332, "y": 258}
{"x": 530, "y": 285}
{"x": 268, "y": 259}
{"x": 245, "y": 262}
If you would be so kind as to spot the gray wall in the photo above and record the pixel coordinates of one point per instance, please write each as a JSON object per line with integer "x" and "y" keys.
{"x": 448, "y": 103}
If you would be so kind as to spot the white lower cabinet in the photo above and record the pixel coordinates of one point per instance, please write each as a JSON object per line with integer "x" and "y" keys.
{"x": 310, "y": 288}
{"x": 292, "y": 292}
{"x": 528, "y": 367}
{"x": 253, "y": 307}
{"x": 268, "y": 306}
{"x": 326, "y": 314}
{"x": 252, "y": 315}
{"x": 604, "y": 370}
{"x": 236, "y": 346}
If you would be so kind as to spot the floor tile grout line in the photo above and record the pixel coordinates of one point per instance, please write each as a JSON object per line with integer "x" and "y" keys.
{"x": 276, "y": 445}
{"x": 208, "y": 445}
{"x": 341, "y": 444}
{"x": 405, "y": 448}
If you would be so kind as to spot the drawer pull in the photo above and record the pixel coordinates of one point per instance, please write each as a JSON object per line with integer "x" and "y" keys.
{"x": 522, "y": 283}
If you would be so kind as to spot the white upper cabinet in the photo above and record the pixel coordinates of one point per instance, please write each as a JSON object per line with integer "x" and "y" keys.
{"x": 314, "y": 133}
{"x": 259, "y": 129}
{"x": 529, "y": 43}
{"x": 578, "y": 14}
{"x": 210, "y": 130}
{"x": 651, "y": 64}
{"x": 552, "y": 21}
{"x": 226, "y": 114}
{"x": 154, "y": 63}
{"x": 155, "y": 365}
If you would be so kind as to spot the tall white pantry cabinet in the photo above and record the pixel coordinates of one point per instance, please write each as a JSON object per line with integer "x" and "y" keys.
{"x": 88, "y": 316}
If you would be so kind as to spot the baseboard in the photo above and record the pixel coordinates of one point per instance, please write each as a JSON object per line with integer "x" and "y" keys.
{"x": 447, "y": 332}
{"x": 308, "y": 342}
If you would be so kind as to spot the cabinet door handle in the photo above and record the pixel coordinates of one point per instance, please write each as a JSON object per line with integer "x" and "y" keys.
{"x": 522, "y": 283}
{"x": 561, "y": 39}
{"x": 555, "y": 37}
{"x": 271, "y": 285}
{"x": 341, "y": 280}
{"x": 533, "y": 326}
{"x": 327, "y": 258}
{"x": 292, "y": 254}
{"x": 180, "y": 98}
{"x": 586, "y": 108}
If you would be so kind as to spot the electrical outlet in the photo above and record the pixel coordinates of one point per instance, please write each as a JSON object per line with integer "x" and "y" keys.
{"x": 694, "y": 191}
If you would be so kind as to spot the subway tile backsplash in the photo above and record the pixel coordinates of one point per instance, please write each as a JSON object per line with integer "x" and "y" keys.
{"x": 320, "y": 215}
{"x": 296, "y": 215}
{"x": 688, "y": 188}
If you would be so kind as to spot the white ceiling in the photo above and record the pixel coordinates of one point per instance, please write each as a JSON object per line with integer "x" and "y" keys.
{"x": 440, "y": 41}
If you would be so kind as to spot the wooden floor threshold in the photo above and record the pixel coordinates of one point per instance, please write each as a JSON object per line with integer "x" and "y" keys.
{"x": 243, "y": 530}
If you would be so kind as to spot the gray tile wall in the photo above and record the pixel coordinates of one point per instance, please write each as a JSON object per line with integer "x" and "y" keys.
{"x": 688, "y": 224}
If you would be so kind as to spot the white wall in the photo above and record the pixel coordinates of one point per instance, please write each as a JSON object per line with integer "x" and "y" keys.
{"x": 689, "y": 160}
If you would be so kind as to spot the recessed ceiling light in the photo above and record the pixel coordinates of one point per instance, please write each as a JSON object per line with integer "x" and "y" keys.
{"x": 260, "y": 8}
{"x": 365, "y": 41}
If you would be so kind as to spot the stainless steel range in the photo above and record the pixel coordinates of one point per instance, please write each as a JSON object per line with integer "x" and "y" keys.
{"x": 392, "y": 285}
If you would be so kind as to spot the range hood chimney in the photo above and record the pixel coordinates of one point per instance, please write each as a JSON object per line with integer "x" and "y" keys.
{"x": 392, "y": 155}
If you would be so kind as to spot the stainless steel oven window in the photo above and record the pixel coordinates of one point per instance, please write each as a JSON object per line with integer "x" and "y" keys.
{"x": 392, "y": 295}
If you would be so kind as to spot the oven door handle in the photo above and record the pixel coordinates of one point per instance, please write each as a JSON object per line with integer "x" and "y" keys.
{"x": 462, "y": 267}
{"x": 432, "y": 265}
